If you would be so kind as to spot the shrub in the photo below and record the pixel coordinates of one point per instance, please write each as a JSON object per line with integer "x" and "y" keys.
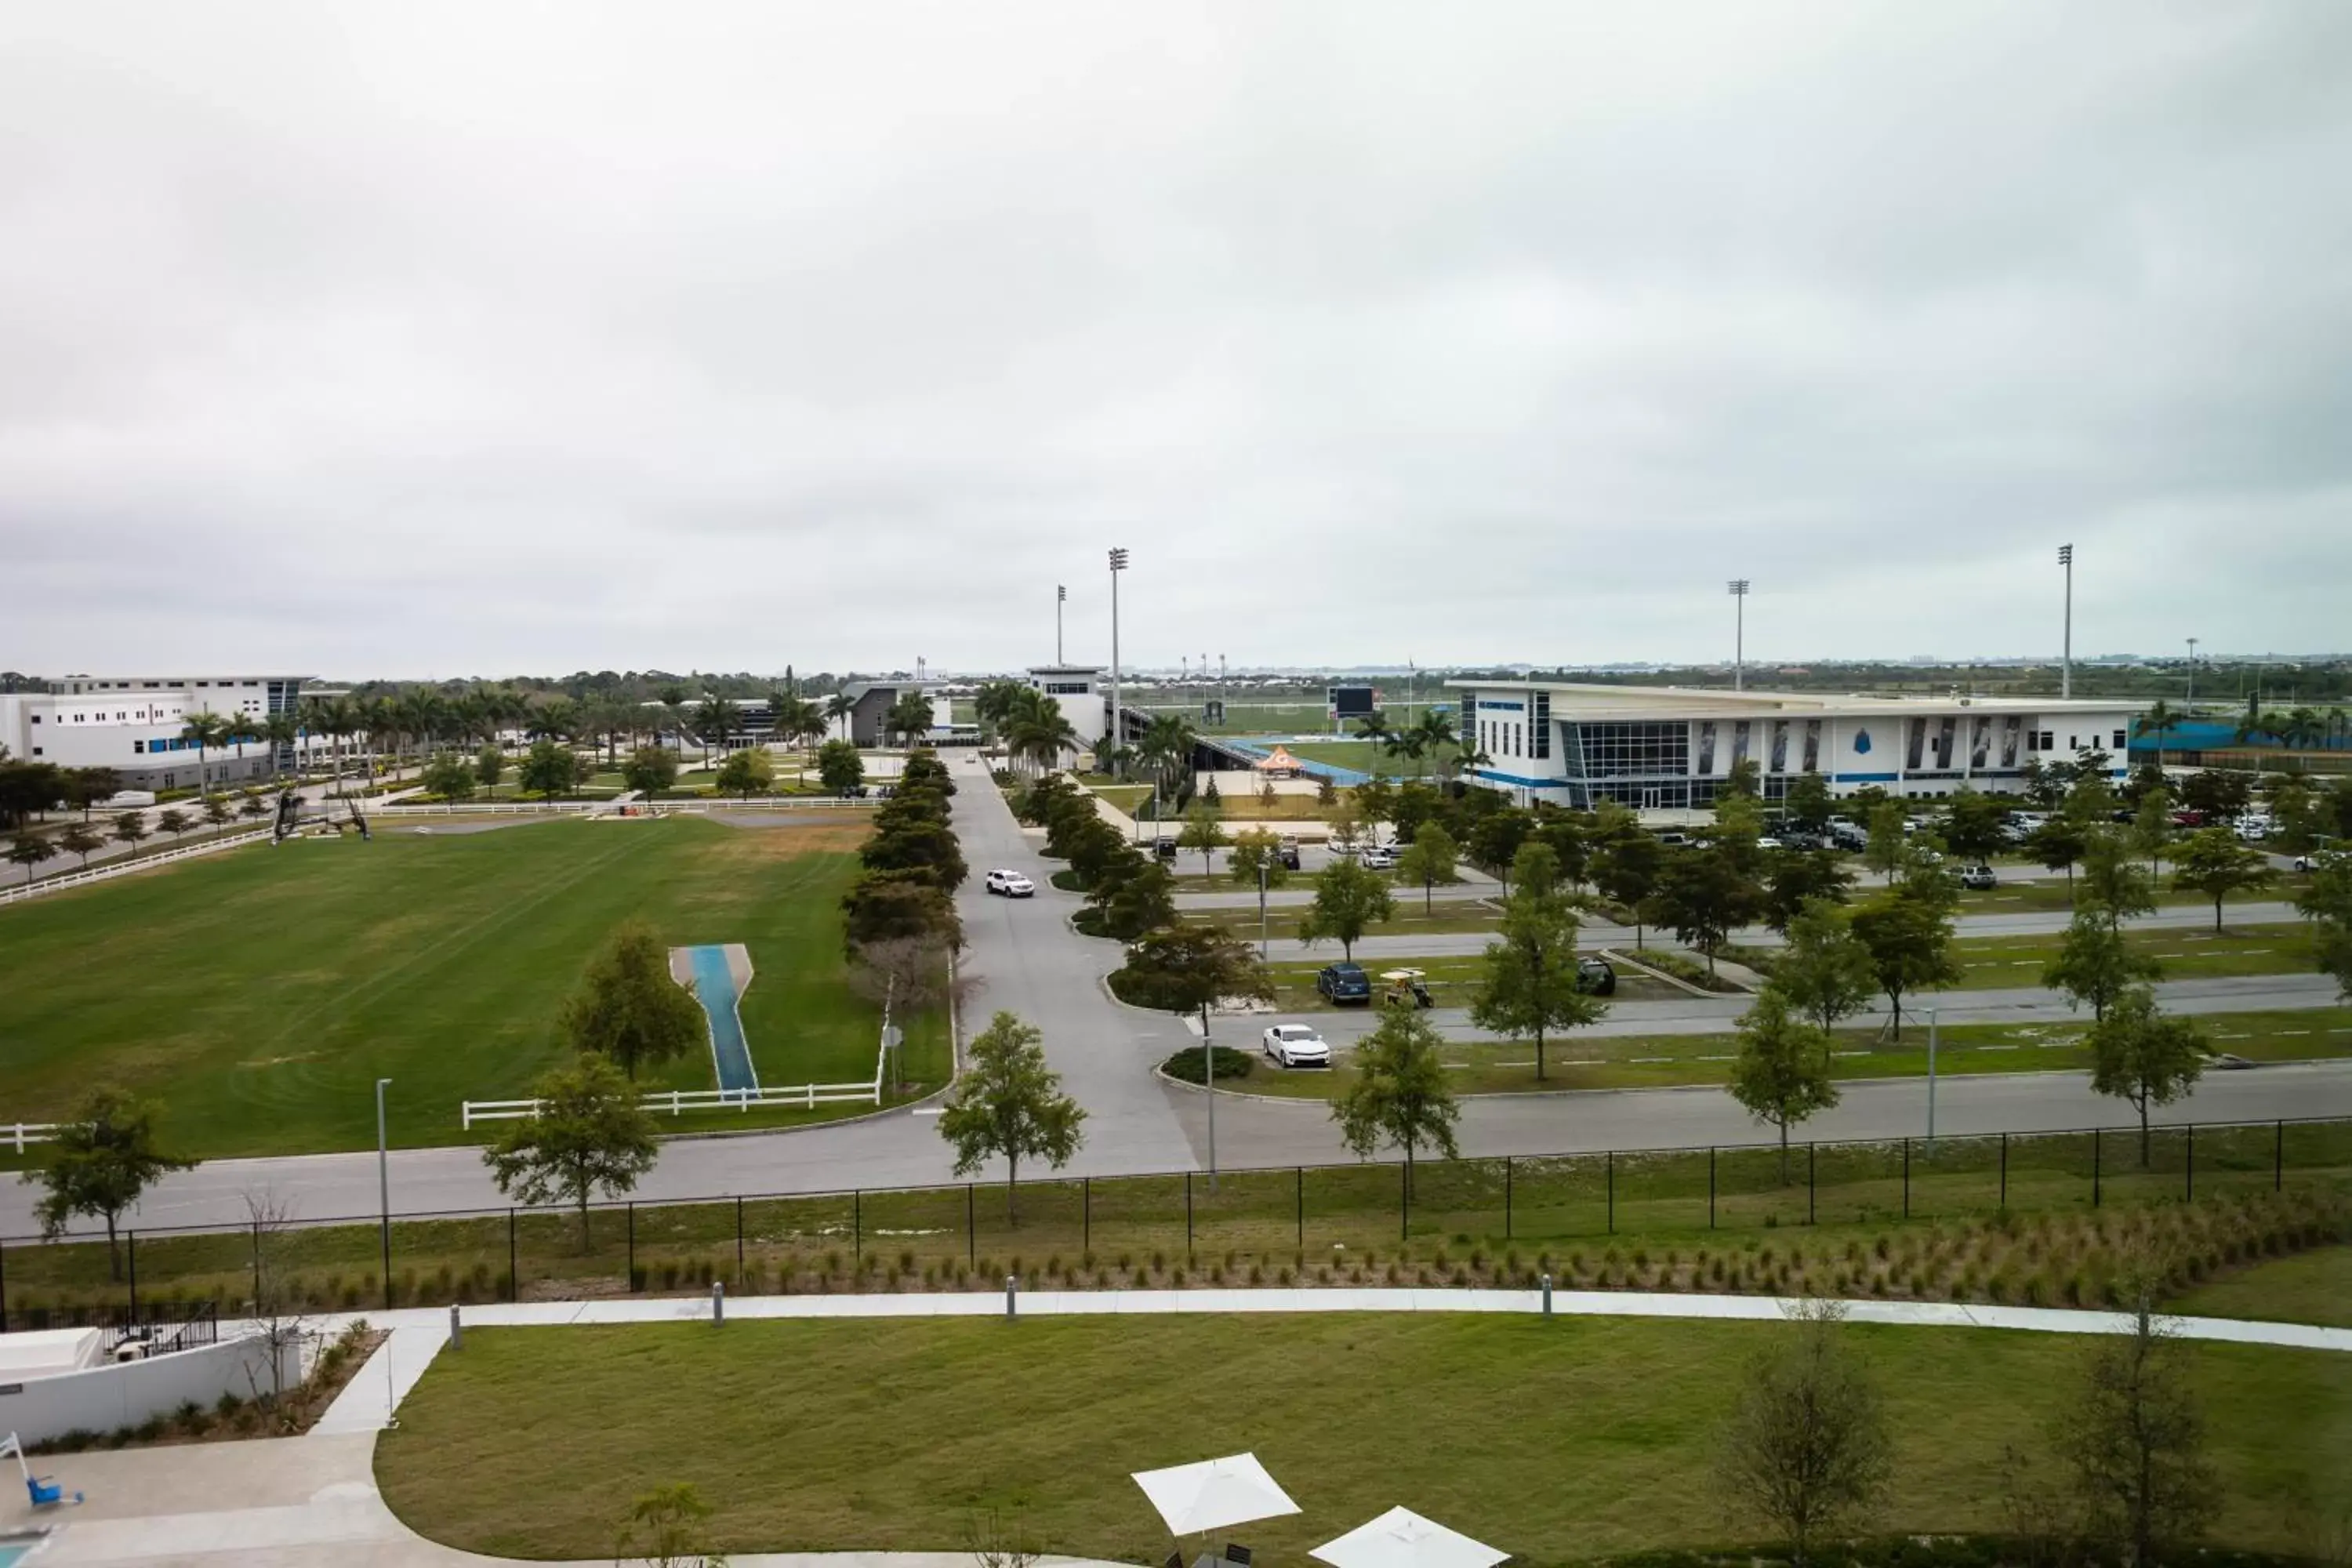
{"x": 1187, "y": 1064}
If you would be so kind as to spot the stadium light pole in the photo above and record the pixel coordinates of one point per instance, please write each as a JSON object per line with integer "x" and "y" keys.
{"x": 1117, "y": 735}
{"x": 1738, "y": 586}
{"x": 384, "y": 1187}
{"x": 1061, "y": 598}
{"x": 2066, "y": 654}
{"x": 2189, "y": 703}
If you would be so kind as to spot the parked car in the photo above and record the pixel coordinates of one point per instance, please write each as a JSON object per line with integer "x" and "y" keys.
{"x": 1378, "y": 857}
{"x": 1288, "y": 853}
{"x": 1344, "y": 985}
{"x": 2188, "y": 818}
{"x": 1011, "y": 884}
{"x": 1596, "y": 976}
{"x": 1295, "y": 1046}
{"x": 1674, "y": 840}
{"x": 1772, "y": 843}
{"x": 1977, "y": 878}
{"x": 1164, "y": 847}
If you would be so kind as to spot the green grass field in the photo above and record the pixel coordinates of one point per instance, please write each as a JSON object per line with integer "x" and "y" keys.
{"x": 2314, "y": 1287}
{"x": 259, "y": 993}
{"x": 1997, "y": 962}
{"x": 1556, "y": 1441}
{"x": 1658, "y": 1061}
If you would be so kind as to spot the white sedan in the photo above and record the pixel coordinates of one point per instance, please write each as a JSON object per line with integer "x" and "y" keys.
{"x": 1296, "y": 1045}
{"x": 1011, "y": 884}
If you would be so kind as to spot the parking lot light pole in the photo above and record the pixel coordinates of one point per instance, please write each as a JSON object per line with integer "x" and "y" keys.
{"x": 1260, "y": 908}
{"x": 1738, "y": 586}
{"x": 1061, "y": 598}
{"x": 2066, "y": 652}
{"x": 1931, "y": 1080}
{"x": 1118, "y": 730}
{"x": 2189, "y": 703}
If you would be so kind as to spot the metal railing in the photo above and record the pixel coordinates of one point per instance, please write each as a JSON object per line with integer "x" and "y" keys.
{"x": 1525, "y": 1200}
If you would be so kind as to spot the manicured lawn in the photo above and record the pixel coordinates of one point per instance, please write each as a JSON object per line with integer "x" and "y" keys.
{"x": 1554, "y": 1440}
{"x": 1366, "y": 758}
{"x": 2314, "y": 1287}
{"x": 260, "y": 993}
{"x": 2008, "y": 961}
{"x": 1654, "y": 1061}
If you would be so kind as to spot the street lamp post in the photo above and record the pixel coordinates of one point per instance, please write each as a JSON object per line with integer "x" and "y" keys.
{"x": 2067, "y": 656}
{"x": 1260, "y": 908}
{"x": 1931, "y": 1080}
{"x": 1738, "y": 586}
{"x": 1061, "y": 598}
{"x": 1117, "y": 735}
{"x": 384, "y": 1187}
{"x": 2189, "y": 703}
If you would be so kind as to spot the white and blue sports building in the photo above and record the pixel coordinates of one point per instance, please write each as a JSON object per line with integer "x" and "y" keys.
{"x": 1665, "y": 748}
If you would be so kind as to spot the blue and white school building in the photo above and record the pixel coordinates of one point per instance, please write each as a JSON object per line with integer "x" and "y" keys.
{"x": 1668, "y": 747}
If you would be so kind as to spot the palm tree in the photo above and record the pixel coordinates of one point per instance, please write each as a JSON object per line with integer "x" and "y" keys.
{"x": 1438, "y": 736}
{"x": 909, "y": 717}
{"x": 205, "y": 729}
{"x": 1167, "y": 748}
{"x": 2303, "y": 730}
{"x": 281, "y": 730}
{"x": 674, "y": 699}
{"x": 1041, "y": 735}
{"x": 713, "y": 718}
{"x": 837, "y": 709}
{"x": 2159, "y": 721}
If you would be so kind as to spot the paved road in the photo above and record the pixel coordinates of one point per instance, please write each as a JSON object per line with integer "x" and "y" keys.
{"x": 1022, "y": 957}
{"x": 2190, "y": 922}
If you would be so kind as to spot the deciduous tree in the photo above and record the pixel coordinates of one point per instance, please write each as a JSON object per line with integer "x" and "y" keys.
{"x": 1528, "y": 989}
{"x": 1781, "y": 1073}
{"x": 2144, "y": 1057}
{"x": 2132, "y": 1438}
{"x": 1826, "y": 972}
{"x": 628, "y": 1010}
{"x": 839, "y": 767}
{"x": 1348, "y": 900}
{"x": 551, "y": 768}
{"x": 650, "y": 770}
{"x": 450, "y": 776}
{"x": 1009, "y": 1103}
{"x": 1203, "y": 831}
{"x": 105, "y": 1158}
{"x": 2097, "y": 964}
{"x": 1808, "y": 1448}
{"x": 1909, "y": 938}
{"x": 589, "y": 1134}
{"x": 1429, "y": 860}
{"x": 747, "y": 772}
{"x": 1400, "y": 1095}
{"x": 2212, "y": 862}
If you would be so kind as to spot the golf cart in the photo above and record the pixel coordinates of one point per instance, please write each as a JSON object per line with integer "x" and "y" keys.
{"x": 1406, "y": 988}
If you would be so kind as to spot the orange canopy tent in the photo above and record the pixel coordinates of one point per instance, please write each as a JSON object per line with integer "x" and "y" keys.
{"x": 1280, "y": 764}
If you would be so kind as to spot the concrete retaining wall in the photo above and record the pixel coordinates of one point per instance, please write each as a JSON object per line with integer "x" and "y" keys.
{"x": 105, "y": 1398}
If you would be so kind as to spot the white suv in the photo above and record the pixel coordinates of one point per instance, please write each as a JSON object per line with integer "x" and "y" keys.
{"x": 1296, "y": 1045}
{"x": 1011, "y": 884}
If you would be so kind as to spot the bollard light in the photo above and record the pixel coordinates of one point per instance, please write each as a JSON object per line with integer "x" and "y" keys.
{"x": 1012, "y": 1295}
{"x": 718, "y": 1302}
{"x": 1547, "y": 1287}
{"x": 456, "y": 1329}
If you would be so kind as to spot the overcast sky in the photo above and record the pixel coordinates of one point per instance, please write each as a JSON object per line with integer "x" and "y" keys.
{"x": 470, "y": 339}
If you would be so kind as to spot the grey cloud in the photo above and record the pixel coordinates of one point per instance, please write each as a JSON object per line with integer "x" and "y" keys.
{"x": 746, "y": 334}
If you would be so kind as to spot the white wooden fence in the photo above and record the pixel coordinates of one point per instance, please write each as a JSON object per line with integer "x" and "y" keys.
{"x": 17, "y": 1134}
{"x": 99, "y": 873}
{"x": 677, "y": 1102}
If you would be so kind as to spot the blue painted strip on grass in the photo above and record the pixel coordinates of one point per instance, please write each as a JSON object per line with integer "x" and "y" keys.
{"x": 715, "y": 988}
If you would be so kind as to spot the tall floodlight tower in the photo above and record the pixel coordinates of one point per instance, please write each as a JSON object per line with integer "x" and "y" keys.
{"x": 1117, "y": 736}
{"x": 2066, "y": 655}
{"x": 1738, "y": 586}
{"x": 1061, "y": 598}
{"x": 2189, "y": 702}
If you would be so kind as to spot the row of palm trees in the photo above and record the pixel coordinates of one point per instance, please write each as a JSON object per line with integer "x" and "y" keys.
{"x": 1432, "y": 738}
{"x": 414, "y": 724}
{"x": 1028, "y": 723}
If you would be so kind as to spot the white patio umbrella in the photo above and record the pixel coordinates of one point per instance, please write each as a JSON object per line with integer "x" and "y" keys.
{"x": 1213, "y": 1493}
{"x": 1402, "y": 1539}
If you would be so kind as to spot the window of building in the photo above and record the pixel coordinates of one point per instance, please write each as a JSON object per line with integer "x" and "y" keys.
{"x": 1636, "y": 750}
{"x": 2048, "y": 737}
{"x": 1543, "y": 726}
{"x": 2074, "y": 743}
{"x": 2120, "y": 740}
{"x": 36, "y": 750}
{"x": 140, "y": 746}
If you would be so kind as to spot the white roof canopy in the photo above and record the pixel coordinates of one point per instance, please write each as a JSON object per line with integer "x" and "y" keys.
{"x": 1402, "y": 1539}
{"x": 1213, "y": 1493}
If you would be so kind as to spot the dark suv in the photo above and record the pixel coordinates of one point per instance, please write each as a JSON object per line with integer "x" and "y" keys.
{"x": 1344, "y": 984}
